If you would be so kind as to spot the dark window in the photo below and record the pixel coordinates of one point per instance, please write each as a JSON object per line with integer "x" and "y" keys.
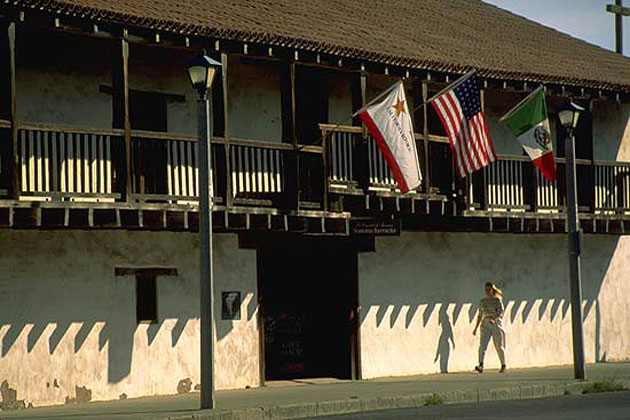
{"x": 311, "y": 103}
{"x": 147, "y": 111}
{"x": 146, "y": 298}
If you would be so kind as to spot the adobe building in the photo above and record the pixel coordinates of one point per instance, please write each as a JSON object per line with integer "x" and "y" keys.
{"x": 322, "y": 268}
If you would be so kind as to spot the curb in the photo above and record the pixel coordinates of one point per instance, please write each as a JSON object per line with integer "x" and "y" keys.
{"x": 358, "y": 405}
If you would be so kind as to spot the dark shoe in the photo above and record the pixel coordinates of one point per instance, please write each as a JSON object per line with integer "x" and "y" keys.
{"x": 502, "y": 369}
{"x": 479, "y": 368}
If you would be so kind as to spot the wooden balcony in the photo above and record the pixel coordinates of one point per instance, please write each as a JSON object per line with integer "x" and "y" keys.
{"x": 513, "y": 184}
{"x": 77, "y": 177}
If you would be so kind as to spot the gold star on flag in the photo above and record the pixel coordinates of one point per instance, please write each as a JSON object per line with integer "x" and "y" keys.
{"x": 399, "y": 107}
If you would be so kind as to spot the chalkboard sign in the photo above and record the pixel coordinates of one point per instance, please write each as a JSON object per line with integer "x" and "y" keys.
{"x": 284, "y": 343}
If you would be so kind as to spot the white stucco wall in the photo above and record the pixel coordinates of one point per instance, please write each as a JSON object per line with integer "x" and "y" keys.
{"x": 339, "y": 98}
{"x": 611, "y": 130}
{"x": 156, "y": 69}
{"x": 66, "y": 320}
{"x": 255, "y": 106}
{"x": 55, "y": 72}
{"x": 419, "y": 293}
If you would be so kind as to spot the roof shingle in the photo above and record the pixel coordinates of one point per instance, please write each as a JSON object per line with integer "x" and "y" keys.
{"x": 446, "y": 35}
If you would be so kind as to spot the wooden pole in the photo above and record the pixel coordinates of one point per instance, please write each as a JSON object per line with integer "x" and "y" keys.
{"x": 120, "y": 97}
{"x": 619, "y": 28}
{"x": 15, "y": 172}
{"x": 425, "y": 133}
{"x": 619, "y": 12}
{"x": 226, "y": 131}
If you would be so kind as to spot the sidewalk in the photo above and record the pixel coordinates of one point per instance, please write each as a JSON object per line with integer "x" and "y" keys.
{"x": 311, "y": 398}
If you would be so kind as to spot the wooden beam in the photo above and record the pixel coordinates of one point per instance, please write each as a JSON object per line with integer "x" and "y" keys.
{"x": 146, "y": 271}
{"x": 425, "y": 132}
{"x": 8, "y": 48}
{"x": 289, "y": 135}
{"x": 120, "y": 99}
{"x": 618, "y": 9}
{"x": 226, "y": 130}
{"x": 293, "y": 76}
{"x": 619, "y": 12}
{"x": 360, "y": 154}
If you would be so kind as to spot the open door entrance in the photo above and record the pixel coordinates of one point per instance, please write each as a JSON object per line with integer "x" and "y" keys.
{"x": 309, "y": 299}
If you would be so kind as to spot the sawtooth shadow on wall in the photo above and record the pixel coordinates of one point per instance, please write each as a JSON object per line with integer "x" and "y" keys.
{"x": 116, "y": 327}
{"x": 549, "y": 294}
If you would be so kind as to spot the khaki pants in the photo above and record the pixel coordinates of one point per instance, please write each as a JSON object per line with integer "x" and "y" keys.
{"x": 498, "y": 338}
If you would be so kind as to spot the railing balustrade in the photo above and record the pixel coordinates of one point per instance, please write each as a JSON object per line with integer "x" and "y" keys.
{"x": 341, "y": 146}
{"x": 547, "y": 193}
{"x": 256, "y": 170}
{"x": 182, "y": 169}
{"x": 83, "y": 164}
{"x": 505, "y": 189}
{"x": 166, "y": 169}
{"x": 67, "y": 163}
{"x": 612, "y": 187}
{"x": 380, "y": 175}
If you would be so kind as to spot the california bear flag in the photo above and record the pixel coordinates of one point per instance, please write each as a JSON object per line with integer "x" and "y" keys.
{"x": 529, "y": 123}
{"x": 389, "y": 122}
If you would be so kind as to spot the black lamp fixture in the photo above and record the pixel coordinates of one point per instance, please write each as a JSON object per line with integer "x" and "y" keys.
{"x": 201, "y": 72}
{"x": 569, "y": 115}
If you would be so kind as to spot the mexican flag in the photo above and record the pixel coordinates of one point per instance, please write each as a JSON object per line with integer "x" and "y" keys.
{"x": 529, "y": 123}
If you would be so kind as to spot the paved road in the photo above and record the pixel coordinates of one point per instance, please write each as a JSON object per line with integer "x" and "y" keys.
{"x": 607, "y": 406}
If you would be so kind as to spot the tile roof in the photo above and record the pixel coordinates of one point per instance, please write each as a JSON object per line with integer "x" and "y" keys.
{"x": 442, "y": 35}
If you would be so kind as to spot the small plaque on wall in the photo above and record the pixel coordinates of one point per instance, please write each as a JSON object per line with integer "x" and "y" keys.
{"x": 231, "y": 305}
{"x": 375, "y": 227}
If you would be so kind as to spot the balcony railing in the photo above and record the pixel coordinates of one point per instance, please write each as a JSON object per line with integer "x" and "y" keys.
{"x": 67, "y": 163}
{"x": 243, "y": 171}
{"x": 513, "y": 184}
{"x": 83, "y": 164}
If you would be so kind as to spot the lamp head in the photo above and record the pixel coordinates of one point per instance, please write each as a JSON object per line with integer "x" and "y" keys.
{"x": 569, "y": 114}
{"x": 201, "y": 71}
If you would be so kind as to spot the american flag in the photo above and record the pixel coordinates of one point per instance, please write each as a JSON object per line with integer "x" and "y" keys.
{"x": 459, "y": 109}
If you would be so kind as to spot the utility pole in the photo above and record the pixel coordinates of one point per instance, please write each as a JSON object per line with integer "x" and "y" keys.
{"x": 619, "y": 12}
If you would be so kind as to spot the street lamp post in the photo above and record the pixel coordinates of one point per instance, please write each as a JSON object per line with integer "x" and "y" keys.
{"x": 201, "y": 72}
{"x": 569, "y": 115}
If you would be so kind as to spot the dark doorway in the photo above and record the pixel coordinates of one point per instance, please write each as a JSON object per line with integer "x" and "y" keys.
{"x": 308, "y": 291}
{"x": 311, "y": 103}
{"x": 148, "y": 111}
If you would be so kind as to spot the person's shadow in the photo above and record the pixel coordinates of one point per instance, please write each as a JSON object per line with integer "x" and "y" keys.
{"x": 443, "y": 351}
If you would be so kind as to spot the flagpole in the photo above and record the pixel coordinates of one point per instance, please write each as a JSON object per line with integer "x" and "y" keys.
{"x": 453, "y": 85}
{"x": 384, "y": 93}
{"x": 515, "y": 107}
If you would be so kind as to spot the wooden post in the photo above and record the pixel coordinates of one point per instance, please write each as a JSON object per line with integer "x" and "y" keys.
{"x": 365, "y": 155}
{"x": 120, "y": 98}
{"x": 619, "y": 29}
{"x": 293, "y": 75}
{"x": 226, "y": 131}
{"x": 486, "y": 193}
{"x": 619, "y": 12}
{"x": 9, "y": 109}
{"x": 358, "y": 86}
{"x": 325, "y": 171}
{"x": 16, "y": 184}
{"x": 425, "y": 135}
{"x": 289, "y": 135}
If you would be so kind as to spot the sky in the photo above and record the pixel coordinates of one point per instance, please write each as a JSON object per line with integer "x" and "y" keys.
{"x": 584, "y": 19}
